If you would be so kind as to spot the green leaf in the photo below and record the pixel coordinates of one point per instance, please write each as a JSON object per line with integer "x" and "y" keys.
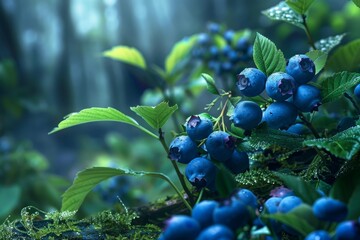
{"x": 219, "y": 41}
{"x": 300, "y": 218}
{"x": 336, "y": 85}
{"x": 345, "y": 58}
{"x": 283, "y": 12}
{"x": 319, "y": 59}
{"x": 267, "y": 57}
{"x": 357, "y": 3}
{"x": 87, "y": 179}
{"x": 343, "y": 145}
{"x": 127, "y": 55}
{"x": 211, "y": 87}
{"x": 347, "y": 189}
{"x": 9, "y": 199}
{"x": 178, "y": 53}
{"x": 303, "y": 189}
{"x": 327, "y": 44}
{"x": 156, "y": 116}
{"x": 95, "y": 115}
{"x": 300, "y": 6}
{"x": 264, "y": 137}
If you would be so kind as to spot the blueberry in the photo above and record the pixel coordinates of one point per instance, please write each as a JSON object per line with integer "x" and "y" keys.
{"x": 220, "y": 145}
{"x": 345, "y": 123}
{"x": 318, "y": 235}
{"x": 216, "y": 232}
{"x": 233, "y": 56}
{"x": 251, "y": 82}
{"x": 233, "y": 214}
{"x": 289, "y": 203}
{"x": 226, "y": 66}
{"x": 181, "y": 227}
{"x": 201, "y": 173}
{"x": 242, "y": 44}
{"x": 272, "y": 204}
{"x": 204, "y": 39}
{"x": 280, "y": 86}
{"x": 307, "y": 98}
{"x": 301, "y": 68}
{"x": 357, "y": 91}
{"x": 247, "y": 197}
{"x": 215, "y": 66}
{"x": 298, "y": 129}
{"x": 213, "y": 28}
{"x": 226, "y": 49}
{"x": 228, "y": 35}
{"x": 183, "y": 149}
{"x": 203, "y": 212}
{"x": 238, "y": 163}
{"x": 247, "y": 115}
{"x": 348, "y": 230}
{"x": 280, "y": 115}
{"x": 214, "y": 51}
{"x": 199, "y": 127}
{"x": 329, "y": 209}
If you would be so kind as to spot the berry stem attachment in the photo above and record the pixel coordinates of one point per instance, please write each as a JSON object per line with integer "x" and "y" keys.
{"x": 309, "y": 125}
{"x": 353, "y": 102}
{"x": 307, "y": 31}
{"x": 177, "y": 170}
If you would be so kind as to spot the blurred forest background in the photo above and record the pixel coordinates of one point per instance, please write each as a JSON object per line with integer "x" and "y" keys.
{"x": 52, "y": 65}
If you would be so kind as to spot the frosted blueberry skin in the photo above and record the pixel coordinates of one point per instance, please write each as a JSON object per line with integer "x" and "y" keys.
{"x": 198, "y": 127}
{"x": 201, "y": 173}
{"x": 301, "y": 68}
{"x": 280, "y": 86}
{"x": 203, "y": 212}
{"x": 307, "y": 98}
{"x": 181, "y": 227}
{"x": 271, "y": 206}
{"x": 247, "y": 115}
{"x": 216, "y": 232}
{"x": 233, "y": 214}
{"x": 280, "y": 115}
{"x": 220, "y": 145}
{"x": 357, "y": 91}
{"x": 318, "y": 235}
{"x": 251, "y": 82}
{"x": 238, "y": 163}
{"x": 348, "y": 230}
{"x": 329, "y": 209}
{"x": 182, "y": 149}
{"x": 247, "y": 197}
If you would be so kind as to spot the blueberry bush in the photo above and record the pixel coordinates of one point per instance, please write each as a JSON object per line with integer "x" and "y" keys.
{"x": 275, "y": 153}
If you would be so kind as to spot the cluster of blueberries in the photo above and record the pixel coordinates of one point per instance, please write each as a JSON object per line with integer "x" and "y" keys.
{"x": 289, "y": 89}
{"x": 212, "y": 219}
{"x": 219, "y": 145}
{"x": 225, "y": 58}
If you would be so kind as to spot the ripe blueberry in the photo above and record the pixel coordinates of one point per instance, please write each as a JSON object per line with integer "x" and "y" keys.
{"x": 199, "y": 127}
{"x": 307, "y": 98}
{"x": 233, "y": 214}
{"x": 201, "y": 173}
{"x": 181, "y": 227}
{"x": 280, "y": 86}
{"x": 213, "y": 28}
{"x": 289, "y": 203}
{"x": 216, "y": 232}
{"x": 204, "y": 39}
{"x": 357, "y": 91}
{"x": 238, "y": 163}
{"x": 271, "y": 205}
{"x": 348, "y": 230}
{"x": 242, "y": 44}
{"x": 298, "y": 129}
{"x": 247, "y": 197}
{"x": 329, "y": 209}
{"x": 318, "y": 235}
{"x": 228, "y": 35}
{"x": 251, "y": 82}
{"x": 301, "y": 68}
{"x": 183, "y": 149}
{"x": 280, "y": 115}
{"x": 203, "y": 212}
{"x": 247, "y": 115}
{"x": 220, "y": 145}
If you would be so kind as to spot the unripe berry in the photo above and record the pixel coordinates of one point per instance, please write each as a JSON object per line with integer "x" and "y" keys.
{"x": 307, "y": 98}
{"x": 247, "y": 115}
{"x": 301, "y": 68}
{"x": 280, "y": 86}
{"x": 251, "y": 82}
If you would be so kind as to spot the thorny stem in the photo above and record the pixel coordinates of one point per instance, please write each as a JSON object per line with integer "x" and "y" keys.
{"x": 353, "y": 102}
{"x": 309, "y": 125}
{"x": 179, "y": 174}
{"x": 307, "y": 31}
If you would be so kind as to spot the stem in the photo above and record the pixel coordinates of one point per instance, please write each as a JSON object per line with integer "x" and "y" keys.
{"x": 307, "y": 31}
{"x": 179, "y": 174}
{"x": 309, "y": 125}
{"x": 200, "y": 196}
{"x": 353, "y": 102}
